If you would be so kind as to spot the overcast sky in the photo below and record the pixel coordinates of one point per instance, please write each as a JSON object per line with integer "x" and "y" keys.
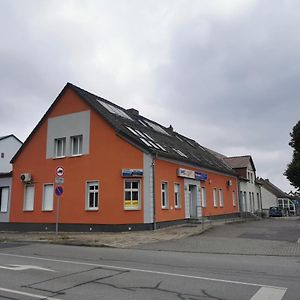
{"x": 223, "y": 72}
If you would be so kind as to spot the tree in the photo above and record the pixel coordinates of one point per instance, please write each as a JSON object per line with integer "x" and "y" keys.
{"x": 293, "y": 169}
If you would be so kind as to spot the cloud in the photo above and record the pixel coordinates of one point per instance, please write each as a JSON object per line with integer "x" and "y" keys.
{"x": 223, "y": 72}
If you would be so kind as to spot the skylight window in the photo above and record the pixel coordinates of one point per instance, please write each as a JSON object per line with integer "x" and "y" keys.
{"x": 146, "y": 139}
{"x": 156, "y": 127}
{"x": 114, "y": 110}
{"x": 142, "y": 122}
{"x": 179, "y": 152}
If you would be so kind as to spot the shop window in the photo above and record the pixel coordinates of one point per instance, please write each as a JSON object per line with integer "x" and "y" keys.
{"x": 60, "y": 147}
{"x": 164, "y": 195}
{"x": 28, "y": 197}
{"x": 76, "y": 145}
{"x": 177, "y": 195}
{"x": 203, "y": 196}
{"x": 132, "y": 194}
{"x": 215, "y": 197}
{"x": 221, "y": 197}
{"x": 4, "y": 196}
{"x": 92, "y": 201}
{"x": 48, "y": 197}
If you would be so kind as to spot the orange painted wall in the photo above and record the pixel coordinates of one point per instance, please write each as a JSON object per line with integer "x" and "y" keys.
{"x": 166, "y": 171}
{"x": 108, "y": 154}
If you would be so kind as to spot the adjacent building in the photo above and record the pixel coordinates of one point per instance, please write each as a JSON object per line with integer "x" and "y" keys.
{"x": 118, "y": 171}
{"x": 9, "y": 145}
{"x": 250, "y": 197}
{"x": 274, "y": 196}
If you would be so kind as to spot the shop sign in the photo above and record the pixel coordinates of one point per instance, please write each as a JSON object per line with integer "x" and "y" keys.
{"x": 191, "y": 174}
{"x": 200, "y": 176}
{"x": 132, "y": 172}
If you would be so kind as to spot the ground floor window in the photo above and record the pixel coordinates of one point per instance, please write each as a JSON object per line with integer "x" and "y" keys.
{"x": 48, "y": 197}
{"x": 233, "y": 198}
{"x": 132, "y": 194}
{"x": 29, "y": 197}
{"x": 164, "y": 195}
{"x": 92, "y": 197}
{"x": 177, "y": 195}
{"x": 203, "y": 195}
{"x": 221, "y": 197}
{"x": 4, "y": 196}
{"x": 215, "y": 197}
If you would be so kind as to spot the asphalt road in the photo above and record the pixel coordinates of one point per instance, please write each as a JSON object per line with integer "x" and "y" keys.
{"x": 40, "y": 271}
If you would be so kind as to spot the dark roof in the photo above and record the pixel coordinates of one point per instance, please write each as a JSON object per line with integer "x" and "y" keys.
{"x": 268, "y": 185}
{"x": 8, "y": 136}
{"x": 146, "y": 134}
{"x": 239, "y": 162}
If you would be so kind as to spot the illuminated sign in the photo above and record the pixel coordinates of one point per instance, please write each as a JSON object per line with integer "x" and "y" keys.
{"x": 191, "y": 174}
{"x": 132, "y": 172}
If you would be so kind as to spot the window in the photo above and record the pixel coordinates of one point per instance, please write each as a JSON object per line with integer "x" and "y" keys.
{"x": 92, "y": 195}
{"x": 221, "y": 197}
{"x": 215, "y": 195}
{"x": 4, "y": 196}
{"x": 177, "y": 195}
{"x": 28, "y": 197}
{"x": 203, "y": 195}
{"x": 164, "y": 195}
{"x": 132, "y": 194}
{"x": 60, "y": 147}
{"x": 233, "y": 198}
{"x": 114, "y": 110}
{"x": 2, "y": 154}
{"x": 76, "y": 145}
{"x": 48, "y": 197}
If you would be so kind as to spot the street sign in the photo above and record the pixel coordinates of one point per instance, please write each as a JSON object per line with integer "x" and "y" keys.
{"x": 59, "y": 171}
{"x": 59, "y": 180}
{"x": 59, "y": 191}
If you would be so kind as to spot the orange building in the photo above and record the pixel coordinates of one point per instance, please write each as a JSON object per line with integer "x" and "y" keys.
{"x": 117, "y": 169}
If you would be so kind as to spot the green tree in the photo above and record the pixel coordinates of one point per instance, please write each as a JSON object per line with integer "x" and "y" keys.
{"x": 293, "y": 169}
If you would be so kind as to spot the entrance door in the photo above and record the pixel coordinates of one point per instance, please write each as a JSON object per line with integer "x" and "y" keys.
{"x": 193, "y": 201}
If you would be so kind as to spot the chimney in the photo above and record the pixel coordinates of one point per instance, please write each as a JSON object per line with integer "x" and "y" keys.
{"x": 171, "y": 128}
{"x": 133, "y": 111}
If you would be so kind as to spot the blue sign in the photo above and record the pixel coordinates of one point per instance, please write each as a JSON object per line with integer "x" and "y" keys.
{"x": 132, "y": 172}
{"x": 200, "y": 176}
{"x": 59, "y": 191}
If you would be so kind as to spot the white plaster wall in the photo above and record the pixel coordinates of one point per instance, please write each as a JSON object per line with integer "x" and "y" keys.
{"x": 268, "y": 199}
{"x": 9, "y": 146}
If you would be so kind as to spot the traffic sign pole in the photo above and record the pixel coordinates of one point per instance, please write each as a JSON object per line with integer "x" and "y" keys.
{"x": 57, "y": 215}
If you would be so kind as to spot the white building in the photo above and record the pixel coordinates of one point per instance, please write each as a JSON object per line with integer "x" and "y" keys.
{"x": 249, "y": 189}
{"x": 9, "y": 145}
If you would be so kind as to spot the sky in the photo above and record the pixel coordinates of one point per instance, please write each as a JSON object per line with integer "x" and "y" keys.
{"x": 223, "y": 72}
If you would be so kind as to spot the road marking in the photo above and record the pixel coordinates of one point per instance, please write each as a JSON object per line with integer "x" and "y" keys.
{"x": 266, "y": 293}
{"x": 27, "y": 294}
{"x": 24, "y": 267}
{"x": 145, "y": 271}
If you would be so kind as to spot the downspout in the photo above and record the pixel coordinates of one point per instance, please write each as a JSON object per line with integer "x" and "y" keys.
{"x": 239, "y": 195}
{"x": 153, "y": 191}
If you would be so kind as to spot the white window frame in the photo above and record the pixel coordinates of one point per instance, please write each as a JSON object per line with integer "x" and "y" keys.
{"x": 45, "y": 206}
{"x": 28, "y": 204}
{"x": 56, "y": 141}
{"x": 203, "y": 196}
{"x": 4, "y": 201}
{"x": 164, "y": 195}
{"x": 177, "y": 200}
{"x": 78, "y": 151}
{"x": 233, "y": 198}
{"x": 90, "y": 183}
{"x": 221, "y": 198}
{"x": 131, "y": 190}
{"x": 215, "y": 197}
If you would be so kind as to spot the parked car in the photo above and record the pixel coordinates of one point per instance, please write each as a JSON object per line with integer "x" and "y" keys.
{"x": 275, "y": 211}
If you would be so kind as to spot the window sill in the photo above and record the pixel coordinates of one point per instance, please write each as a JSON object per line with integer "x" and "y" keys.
{"x": 59, "y": 157}
{"x": 92, "y": 209}
{"x": 76, "y": 155}
{"x": 178, "y": 207}
{"x": 28, "y": 210}
{"x": 130, "y": 209}
{"x": 165, "y": 208}
{"x": 47, "y": 210}
{"x": 3, "y": 212}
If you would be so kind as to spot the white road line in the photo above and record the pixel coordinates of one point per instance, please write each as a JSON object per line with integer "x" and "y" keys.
{"x": 143, "y": 271}
{"x": 266, "y": 293}
{"x": 27, "y": 294}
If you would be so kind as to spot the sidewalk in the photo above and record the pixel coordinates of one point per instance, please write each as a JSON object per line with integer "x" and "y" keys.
{"x": 108, "y": 239}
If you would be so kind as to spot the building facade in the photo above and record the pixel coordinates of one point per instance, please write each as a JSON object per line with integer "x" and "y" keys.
{"x": 119, "y": 171}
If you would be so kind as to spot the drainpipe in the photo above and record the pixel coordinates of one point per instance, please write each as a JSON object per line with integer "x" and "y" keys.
{"x": 153, "y": 191}
{"x": 239, "y": 195}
